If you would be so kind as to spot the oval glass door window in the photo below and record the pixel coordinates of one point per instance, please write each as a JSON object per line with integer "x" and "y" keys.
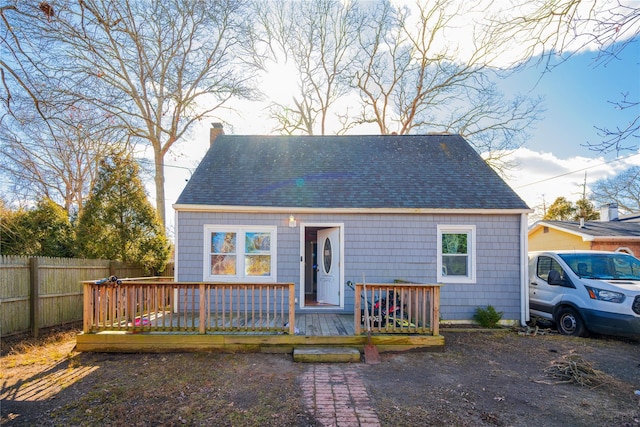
{"x": 327, "y": 255}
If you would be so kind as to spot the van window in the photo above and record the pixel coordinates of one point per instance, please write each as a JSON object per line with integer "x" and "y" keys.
{"x": 627, "y": 268}
{"x": 546, "y": 264}
{"x": 607, "y": 266}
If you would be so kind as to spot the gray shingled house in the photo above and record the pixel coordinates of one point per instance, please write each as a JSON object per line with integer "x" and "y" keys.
{"x": 322, "y": 211}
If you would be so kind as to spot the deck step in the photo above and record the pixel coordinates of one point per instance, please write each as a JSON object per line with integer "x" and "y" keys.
{"x": 326, "y": 355}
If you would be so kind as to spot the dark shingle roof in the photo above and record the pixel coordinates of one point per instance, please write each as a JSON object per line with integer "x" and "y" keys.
{"x": 633, "y": 217}
{"x": 598, "y": 228}
{"x": 422, "y": 171}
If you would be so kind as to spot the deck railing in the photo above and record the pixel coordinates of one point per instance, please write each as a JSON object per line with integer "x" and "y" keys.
{"x": 157, "y": 305}
{"x": 162, "y": 305}
{"x": 398, "y": 308}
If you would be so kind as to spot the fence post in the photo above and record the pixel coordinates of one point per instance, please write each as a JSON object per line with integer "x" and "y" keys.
{"x": 34, "y": 295}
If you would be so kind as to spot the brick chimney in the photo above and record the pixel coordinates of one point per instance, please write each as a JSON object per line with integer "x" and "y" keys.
{"x": 216, "y": 129}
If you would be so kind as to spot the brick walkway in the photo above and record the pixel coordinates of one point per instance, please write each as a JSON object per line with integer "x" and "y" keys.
{"x": 335, "y": 395}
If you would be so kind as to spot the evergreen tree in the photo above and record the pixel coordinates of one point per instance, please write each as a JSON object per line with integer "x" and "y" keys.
{"x": 563, "y": 210}
{"x": 585, "y": 209}
{"x": 560, "y": 210}
{"x": 118, "y": 222}
{"x": 10, "y": 231}
{"x": 42, "y": 231}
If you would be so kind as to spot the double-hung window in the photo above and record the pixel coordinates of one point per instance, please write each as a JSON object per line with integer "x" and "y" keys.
{"x": 456, "y": 254}
{"x": 240, "y": 253}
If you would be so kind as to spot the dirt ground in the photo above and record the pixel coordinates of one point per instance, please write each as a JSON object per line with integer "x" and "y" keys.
{"x": 503, "y": 378}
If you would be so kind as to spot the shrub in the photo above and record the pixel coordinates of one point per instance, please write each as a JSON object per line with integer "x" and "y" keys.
{"x": 488, "y": 317}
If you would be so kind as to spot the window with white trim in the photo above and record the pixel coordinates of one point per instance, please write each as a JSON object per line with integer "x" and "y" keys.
{"x": 240, "y": 253}
{"x": 456, "y": 254}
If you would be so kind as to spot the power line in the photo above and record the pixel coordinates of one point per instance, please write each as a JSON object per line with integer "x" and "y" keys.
{"x": 578, "y": 170}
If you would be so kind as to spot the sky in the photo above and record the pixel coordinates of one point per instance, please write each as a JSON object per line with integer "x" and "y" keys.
{"x": 578, "y": 97}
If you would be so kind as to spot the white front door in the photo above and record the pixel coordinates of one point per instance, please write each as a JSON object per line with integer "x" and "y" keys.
{"x": 329, "y": 266}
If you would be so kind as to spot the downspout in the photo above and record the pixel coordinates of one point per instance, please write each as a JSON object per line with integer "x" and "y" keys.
{"x": 175, "y": 260}
{"x": 524, "y": 269}
{"x": 175, "y": 247}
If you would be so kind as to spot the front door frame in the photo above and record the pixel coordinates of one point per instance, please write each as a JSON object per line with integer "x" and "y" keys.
{"x": 303, "y": 229}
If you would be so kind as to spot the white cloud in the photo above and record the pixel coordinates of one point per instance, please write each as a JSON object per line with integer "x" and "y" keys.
{"x": 542, "y": 177}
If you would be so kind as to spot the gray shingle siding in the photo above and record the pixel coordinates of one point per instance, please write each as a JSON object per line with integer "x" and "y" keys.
{"x": 385, "y": 247}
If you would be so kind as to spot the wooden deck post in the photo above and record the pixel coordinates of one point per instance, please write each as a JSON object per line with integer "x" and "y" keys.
{"x": 435, "y": 311}
{"x": 87, "y": 307}
{"x": 292, "y": 308}
{"x": 356, "y": 311}
{"x": 203, "y": 309}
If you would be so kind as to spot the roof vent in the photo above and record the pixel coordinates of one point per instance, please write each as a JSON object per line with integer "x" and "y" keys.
{"x": 581, "y": 222}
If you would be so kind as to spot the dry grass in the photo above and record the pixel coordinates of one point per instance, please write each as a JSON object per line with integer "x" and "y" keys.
{"x": 87, "y": 389}
{"x": 25, "y": 342}
{"x": 54, "y": 345}
{"x": 186, "y": 389}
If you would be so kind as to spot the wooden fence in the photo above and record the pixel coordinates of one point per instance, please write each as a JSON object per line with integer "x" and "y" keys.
{"x": 40, "y": 292}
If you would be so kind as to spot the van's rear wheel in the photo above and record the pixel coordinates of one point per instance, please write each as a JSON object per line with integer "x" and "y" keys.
{"x": 569, "y": 322}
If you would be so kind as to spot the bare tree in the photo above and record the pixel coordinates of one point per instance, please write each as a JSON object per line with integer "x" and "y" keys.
{"x": 623, "y": 189}
{"x": 621, "y": 137}
{"x": 319, "y": 38}
{"x": 19, "y": 69}
{"x": 553, "y": 31}
{"x": 155, "y": 68}
{"x": 412, "y": 78}
{"x": 48, "y": 149}
{"x": 60, "y": 166}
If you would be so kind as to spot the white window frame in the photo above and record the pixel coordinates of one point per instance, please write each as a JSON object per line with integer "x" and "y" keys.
{"x": 470, "y": 231}
{"x": 240, "y": 231}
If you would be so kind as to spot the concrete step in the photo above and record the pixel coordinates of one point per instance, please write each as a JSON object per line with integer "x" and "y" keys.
{"x": 326, "y": 355}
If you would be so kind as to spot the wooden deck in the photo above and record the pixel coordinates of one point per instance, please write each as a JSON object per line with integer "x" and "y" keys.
{"x": 319, "y": 324}
{"x": 161, "y": 316}
{"x": 312, "y": 330}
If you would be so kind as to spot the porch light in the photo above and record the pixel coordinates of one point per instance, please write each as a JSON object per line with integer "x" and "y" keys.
{"x": 292, "y": 221}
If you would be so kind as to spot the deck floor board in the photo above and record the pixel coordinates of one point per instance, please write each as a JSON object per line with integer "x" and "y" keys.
{"x": 307, "y": 324}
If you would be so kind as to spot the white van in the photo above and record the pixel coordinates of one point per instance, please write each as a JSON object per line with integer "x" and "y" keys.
{"x": 586, "y": 291}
